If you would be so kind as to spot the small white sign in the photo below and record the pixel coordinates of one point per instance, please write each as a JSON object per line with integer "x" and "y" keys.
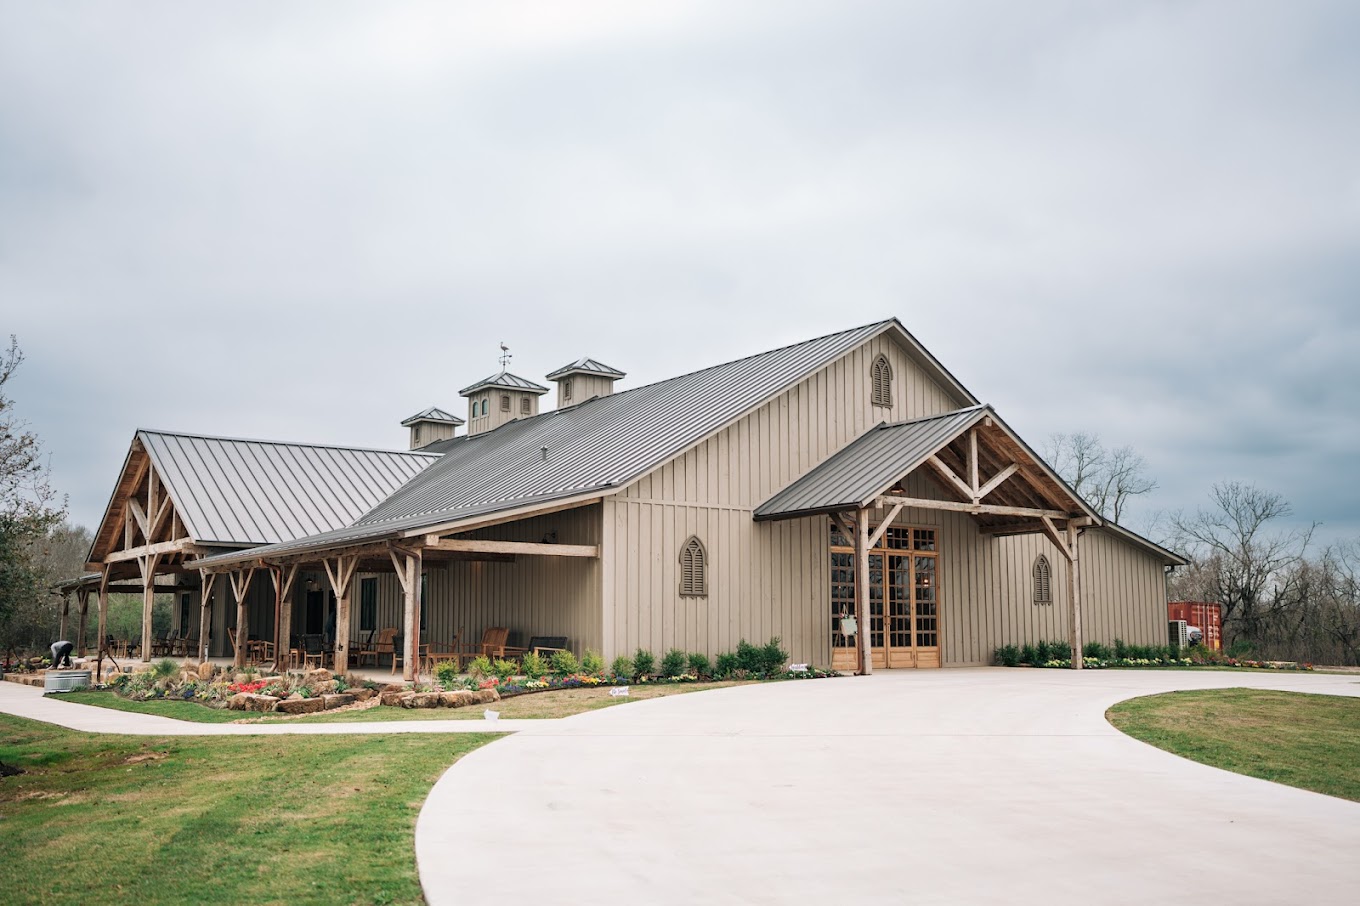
{"x": 798, "y": 668}
{"x": 619, "y": 692}
{"x": 491, "y": 715}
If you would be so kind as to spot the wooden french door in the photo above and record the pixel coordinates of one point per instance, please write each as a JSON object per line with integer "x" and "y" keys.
{"x": 903, "y": 607}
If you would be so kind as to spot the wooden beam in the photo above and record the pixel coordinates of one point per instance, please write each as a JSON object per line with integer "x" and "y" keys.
{"x": 866, "y": 660}
{"x": 948, "y": 475}
{"x": 341, "y": 576}
{"x": 139, "y": 514}
{"x": 179, "y": 545}
{"x": 973, "y": 465}
{"x": 486, "y": 546}
{"x": 1032, "y": 527}
{"x": 206, "y": 582}
{"x": 83, "y": 596}
{"x": 1074, "y": 596}
{"x": 883, "y": 527}
{"x": 240, "y": 588}
{"x": 103, "y": 620}
{"x": 977, "y": 509}
{"x": 996, "y": 480}
{"x": 147, "y": 564}
{"x": 1058, "y": 540}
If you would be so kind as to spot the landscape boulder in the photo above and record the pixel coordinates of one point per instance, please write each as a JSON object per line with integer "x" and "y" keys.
{"x": 421, "y": 700}
{"x": 302, "y": 705}
{"x": 361, "y": 693}
{"x": 393, "y": 697}
{"x": 320, "y": 675}
{"x": 205, "y": 670}
{"x": 339, "y": 700}
{"x": 250, "y": 701}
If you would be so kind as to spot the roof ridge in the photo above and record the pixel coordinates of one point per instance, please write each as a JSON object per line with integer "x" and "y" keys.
{"x": 281, "y": 443}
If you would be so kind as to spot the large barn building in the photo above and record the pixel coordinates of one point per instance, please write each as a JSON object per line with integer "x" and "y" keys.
{"x": 846, "y": 494}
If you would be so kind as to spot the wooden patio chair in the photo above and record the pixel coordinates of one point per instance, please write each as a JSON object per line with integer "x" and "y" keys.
{"x": 362, "y": 647}
{"x": 493, "y": 645}
{"x": 437, "y": 652}
{"x": 547, "y": 645}
{"x": 313, "y": 651}
{"x": 385, "y": 644}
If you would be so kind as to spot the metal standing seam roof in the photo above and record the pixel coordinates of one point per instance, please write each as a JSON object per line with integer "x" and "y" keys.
{"x": 432, "y": 414}
{"x": 233, "y": 491}
{"x": 587, "y": 366}
{"x": 505, "y": 380}
{"x": 597, "y": 446}
{"x": 870, "y": 464}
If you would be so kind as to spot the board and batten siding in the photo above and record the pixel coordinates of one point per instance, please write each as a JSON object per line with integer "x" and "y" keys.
{"x": 532, "y": 596}
{"x": 765, "y": 579}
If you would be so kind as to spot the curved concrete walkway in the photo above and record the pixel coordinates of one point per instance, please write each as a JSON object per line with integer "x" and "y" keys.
{"x": 961, "y": 786}
{"x": 29, "y": 701}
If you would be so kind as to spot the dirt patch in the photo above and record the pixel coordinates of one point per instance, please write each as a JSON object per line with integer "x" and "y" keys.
{"x": 146, "y": 756}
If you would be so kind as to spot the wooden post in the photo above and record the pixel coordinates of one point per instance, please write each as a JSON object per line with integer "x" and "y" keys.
{"x": 341, "y": 575}
{"x": 102, "y": 641}
{"x": 65, "y": 614}
{"x": 284, "y": 577}
{"x": 148, "y": 565}
{"x": 205, "y": 587}
{"x": 83, "y": 596}
{"x": 1074, "y": 595}
{"x": 240, "y": 588}
{"x": 407, "y": 564}
{"x": 862, "y": 592}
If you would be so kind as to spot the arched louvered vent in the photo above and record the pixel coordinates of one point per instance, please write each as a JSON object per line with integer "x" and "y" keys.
{"x": 881, "y": 379}
{"x": 1043, "y": 581}
{"x": 693, "y": 568}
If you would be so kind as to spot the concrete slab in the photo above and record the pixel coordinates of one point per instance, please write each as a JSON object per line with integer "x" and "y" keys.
{"x": 964, "y": 786}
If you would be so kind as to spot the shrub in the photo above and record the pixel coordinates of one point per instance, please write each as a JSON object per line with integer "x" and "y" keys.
{"x": 342, "y": 684}
{"x": 1008, "y": 656}
{"x": 622, "y": 667}
{"x": 533, "y": 665}
{"x": 643, "y": 663}
{"x": 1121, "y": 650}
{"x": 772, "y": 657}
{"x": 592, "y": 664}
{"x": 699, "y": 665}
{"x": 673, "y": 664}
{"x": 564, "y": 663}
{"x": 749, "y": 657}
{"x": 163, "y": 671}
{"x": 504, "y": 669}
{"x": 726, "y": 665}
{"x": 480, "y": 667}
{"x": 1028, "y": 656}
{"x": 446, "y": 674}
{"x": 1096, "y": 650}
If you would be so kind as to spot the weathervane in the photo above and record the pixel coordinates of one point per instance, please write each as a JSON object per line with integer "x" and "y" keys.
{"x": 505, "y": 356}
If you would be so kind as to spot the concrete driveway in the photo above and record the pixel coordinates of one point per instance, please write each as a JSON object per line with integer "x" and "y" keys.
{"x": 961, "y": 786}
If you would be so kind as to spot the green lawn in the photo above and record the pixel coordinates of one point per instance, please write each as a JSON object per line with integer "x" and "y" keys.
{"x": 234, "y": 820}
{"x": 1307, "y": 741}
{"x": 179, "y": 710}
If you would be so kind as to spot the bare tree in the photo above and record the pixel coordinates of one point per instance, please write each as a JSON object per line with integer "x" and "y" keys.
{"x": 1255, "y": 573}
{"x": 29, "y": 508}
{"x": 1106, "y": 479}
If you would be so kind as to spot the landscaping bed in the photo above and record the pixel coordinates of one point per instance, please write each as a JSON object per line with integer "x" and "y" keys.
{"x": 1096, "y": 656}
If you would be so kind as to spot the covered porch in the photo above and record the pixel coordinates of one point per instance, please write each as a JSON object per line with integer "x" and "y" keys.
{"x": 887, "y": 598}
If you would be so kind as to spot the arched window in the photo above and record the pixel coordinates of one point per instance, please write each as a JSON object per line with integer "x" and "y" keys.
{"x": 566, "y": 389}
{"x": 485, "y": 402}
{"x": 881, "y": 381}
{"x": 505, "y": 402}
{"x": 525, "y": 408}
{"x": 1043, "y": 581}
{"x": 693, "y": 568}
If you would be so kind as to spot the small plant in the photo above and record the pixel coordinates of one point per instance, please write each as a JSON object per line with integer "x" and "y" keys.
{"x": 533, "y": 665}
{"x": 699, "y": 664}
{"x": 644, "y": 664}
{"x": 480, "y": 667}
{"x": 1121, "y": 650}
{"x": 341, "y": 684}
{"x": 622, "y": 668}
{"x": 446, "y": 674}
{"x": 504, "y": 669}
{"x": 1008, "y": 656}
{"x": 592, "y": 664}
{"x": 564, "y": 663}
{"x": 163, "y": 671}
{"x": 772, "y": 657}
{"x": 1096, "y": 650}
{"x": 673, "y": 663}
{"x": 748, "y": 657}
{"x": 1028, "y": 656}
{"x": 726, "y": 664}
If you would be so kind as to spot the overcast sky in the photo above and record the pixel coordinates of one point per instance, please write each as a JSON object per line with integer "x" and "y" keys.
{"x": 306, "y": 221}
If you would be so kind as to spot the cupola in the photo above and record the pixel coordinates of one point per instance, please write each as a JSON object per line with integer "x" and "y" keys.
{"x": 582, "y": 380}
{"x": 431, "y": 425}
{"x": 499, "y": 399}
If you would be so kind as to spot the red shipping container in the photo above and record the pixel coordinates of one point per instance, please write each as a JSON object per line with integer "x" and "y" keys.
{"x": 1208, "y": 618}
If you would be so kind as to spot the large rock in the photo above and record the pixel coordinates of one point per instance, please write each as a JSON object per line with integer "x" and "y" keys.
{"x": 205, "y": 670}
{"x": 302, "y": 705}
{"x": 393, "y": 697}
{"x": 487, "y": 696}
{"x": 457, "y": 699}
{"x": 361, "y": 693}
{"x": 421, "y": 700}
{"x": 338, "y": 700}
{"x": 323, "y": 687}
{"x": 313, "y": 677}
{"x": 250, "y": 701}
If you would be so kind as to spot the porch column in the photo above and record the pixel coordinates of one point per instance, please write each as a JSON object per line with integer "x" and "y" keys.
{"x": 283, "y": 577}
{"x": 83, "y": 596}
{"x": 407, "y": 564}
{"x": 1074, "y": 594}
{"x": 866, "y": 659}
{"x": 240, "y": 588}
{"x": 341, "y": 573}
{"x": 205, "y": 588}
{"x": 65, "y": 612}
{"x": 102, "y": 641}
{"x": 148, "y": 566}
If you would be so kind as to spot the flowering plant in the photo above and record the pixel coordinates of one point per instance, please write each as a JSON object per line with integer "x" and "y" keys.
{"x": 246, "y": 687}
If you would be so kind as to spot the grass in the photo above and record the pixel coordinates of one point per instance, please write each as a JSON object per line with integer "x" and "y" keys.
{"x": 535, "y": 706}
{"x": 279, "y": 819}
{"x": 1306, "y": 741}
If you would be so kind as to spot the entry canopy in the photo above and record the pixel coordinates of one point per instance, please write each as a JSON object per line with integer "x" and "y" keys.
{"x": 984, "y": 468}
